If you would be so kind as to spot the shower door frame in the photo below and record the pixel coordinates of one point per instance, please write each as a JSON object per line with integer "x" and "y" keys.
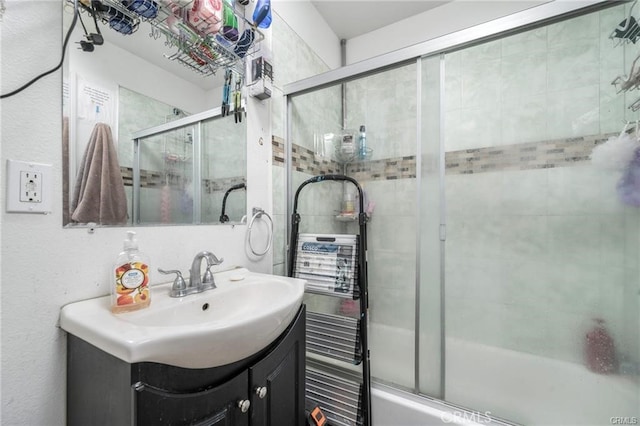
{"x": 538, "y": 16}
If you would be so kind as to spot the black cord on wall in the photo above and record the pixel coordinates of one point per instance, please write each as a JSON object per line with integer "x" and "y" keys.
{"x": 57, "y": 67}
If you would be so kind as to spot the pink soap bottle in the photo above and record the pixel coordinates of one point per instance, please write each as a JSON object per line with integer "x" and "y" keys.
{"x": 600, "y": 352}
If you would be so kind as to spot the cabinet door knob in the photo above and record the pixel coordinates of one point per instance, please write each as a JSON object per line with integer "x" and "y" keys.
{"x": 244, "y": 405}
{"x": 261, "y": 391}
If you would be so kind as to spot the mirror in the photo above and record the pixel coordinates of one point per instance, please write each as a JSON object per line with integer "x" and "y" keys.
{"x": 188, "y": 157}
{"x": 198, "y": 148}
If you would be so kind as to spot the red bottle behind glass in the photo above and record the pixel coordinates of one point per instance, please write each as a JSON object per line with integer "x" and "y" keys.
{"x": 600, "y": 352}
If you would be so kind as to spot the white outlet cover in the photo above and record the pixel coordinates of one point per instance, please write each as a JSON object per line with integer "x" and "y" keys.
{"x": 30, "y": 187}
{"x": 18, "y": 186}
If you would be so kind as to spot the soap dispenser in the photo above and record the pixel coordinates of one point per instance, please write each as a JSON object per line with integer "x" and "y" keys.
{"x": 131, "y": 274}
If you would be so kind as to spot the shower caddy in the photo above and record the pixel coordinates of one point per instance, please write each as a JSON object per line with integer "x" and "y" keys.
{"x": 343, "y": 396}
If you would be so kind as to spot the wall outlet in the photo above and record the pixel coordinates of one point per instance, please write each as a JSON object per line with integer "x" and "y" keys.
{"x": 29, "y": 187}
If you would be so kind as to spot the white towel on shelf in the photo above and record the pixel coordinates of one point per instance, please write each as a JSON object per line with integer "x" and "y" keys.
{"x": 99, "y": 194}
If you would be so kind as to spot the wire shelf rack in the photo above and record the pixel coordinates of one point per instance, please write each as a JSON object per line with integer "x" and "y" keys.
{"x": 196, "y": 47}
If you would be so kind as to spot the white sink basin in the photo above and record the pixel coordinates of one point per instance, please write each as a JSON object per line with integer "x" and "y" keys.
{"x": 244, "y": 314}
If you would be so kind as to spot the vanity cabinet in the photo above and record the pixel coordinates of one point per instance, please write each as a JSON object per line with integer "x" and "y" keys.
{"x": 266, "y": 389}
{"x": 220, "y": 405}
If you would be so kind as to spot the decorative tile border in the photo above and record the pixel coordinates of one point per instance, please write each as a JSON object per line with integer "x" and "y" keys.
{"x": 277, "y": 147}
{"x": 154, "y": 179}
{"x": 304, "y": 160}
{"x": 127, "y": 175}
{"x": 525, "y": 156}
{"x": 221, "y": 185}
{"x": 386, "y": 169}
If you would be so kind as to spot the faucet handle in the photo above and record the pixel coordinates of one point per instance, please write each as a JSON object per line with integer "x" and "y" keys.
{"x": 179, "y": 287}
{"x": 207, "y": 279}
{"x": 213, "y": 260}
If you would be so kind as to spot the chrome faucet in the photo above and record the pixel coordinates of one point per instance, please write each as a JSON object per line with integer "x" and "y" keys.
{"x": 205, "y": 282}
{"x": 197, "y": 284}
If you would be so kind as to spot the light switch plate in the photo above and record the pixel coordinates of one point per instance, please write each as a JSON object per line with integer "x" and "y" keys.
{"x": 29, "y": 187}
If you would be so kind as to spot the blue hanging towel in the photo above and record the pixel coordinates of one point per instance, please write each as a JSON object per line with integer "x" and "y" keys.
{"x": 262, "y": 14}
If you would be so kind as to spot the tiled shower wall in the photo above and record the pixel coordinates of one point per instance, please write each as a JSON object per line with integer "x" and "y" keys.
{"x": 149, "y": 113}
{"x": 389, "y": 182}
{"x": 386, "y": 104}
{"x": 294, "y": 60}
{"x": 537, "y": 242}
{"x": 222, "y": 157}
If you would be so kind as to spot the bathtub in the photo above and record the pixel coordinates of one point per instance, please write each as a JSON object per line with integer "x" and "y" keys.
{"x": 524, "y": 388}
{"x": 536, "y": 390}
{"x": 391, "y": 407}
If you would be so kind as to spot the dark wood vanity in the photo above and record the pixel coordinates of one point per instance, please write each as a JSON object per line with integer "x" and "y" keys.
{"x": 264, "y": 389}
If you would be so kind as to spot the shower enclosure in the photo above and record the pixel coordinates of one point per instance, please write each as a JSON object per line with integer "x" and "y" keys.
{"x": 183, "y": 171}
{"x": 504, "y": 267}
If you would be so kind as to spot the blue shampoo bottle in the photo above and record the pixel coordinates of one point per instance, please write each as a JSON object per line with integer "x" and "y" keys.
{"x": 362, "y": 143}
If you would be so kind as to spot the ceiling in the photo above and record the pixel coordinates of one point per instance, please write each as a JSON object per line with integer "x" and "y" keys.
{"x": 350, "y": 19}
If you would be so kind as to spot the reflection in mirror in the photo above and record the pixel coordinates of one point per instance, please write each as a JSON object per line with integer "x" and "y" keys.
{"x": 118, "y": 84}
{"x": 201, "y": 148}
{"x": 224, "y": 217}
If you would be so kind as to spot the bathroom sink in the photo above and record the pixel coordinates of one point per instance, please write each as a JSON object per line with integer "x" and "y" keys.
{"x": 244, "y": 314}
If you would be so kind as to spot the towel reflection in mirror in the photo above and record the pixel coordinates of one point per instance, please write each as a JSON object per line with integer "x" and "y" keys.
{"x": 99, "y": 194}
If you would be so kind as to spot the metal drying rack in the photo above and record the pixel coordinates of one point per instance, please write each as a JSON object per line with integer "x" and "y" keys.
{"x": 203, "y": 54}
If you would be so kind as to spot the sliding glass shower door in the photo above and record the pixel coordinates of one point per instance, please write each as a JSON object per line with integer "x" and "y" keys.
{"x": 541, "y": 273}
{"x": 503, "y": 259}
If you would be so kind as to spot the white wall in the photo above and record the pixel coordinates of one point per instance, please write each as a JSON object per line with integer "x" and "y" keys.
{"x": 305, "y": 20}
{"x": 112, "y": 64}
{"x": 445, "y": 19}
{"x": 111, "y": 67}
{"x": 45, "y": 266}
